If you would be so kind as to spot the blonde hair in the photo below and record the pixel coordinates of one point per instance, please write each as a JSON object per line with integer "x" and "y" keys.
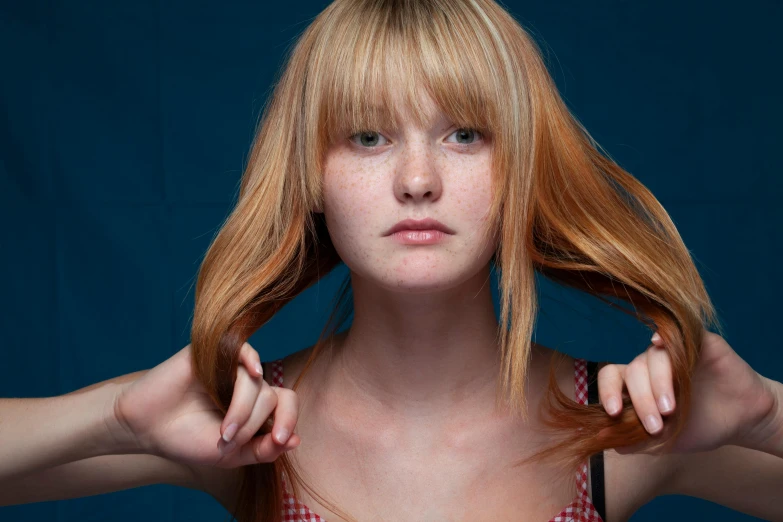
{"x": 561, "y": 206}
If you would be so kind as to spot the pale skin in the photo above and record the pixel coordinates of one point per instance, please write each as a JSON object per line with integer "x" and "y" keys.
{"x": 412, "y": 390}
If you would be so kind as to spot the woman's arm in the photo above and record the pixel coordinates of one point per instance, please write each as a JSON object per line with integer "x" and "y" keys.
{"x": 95, "y": 476}
{"x": 70, "y": 452}
{"x": 40, "y": 433}
{"x": 746, "y": 478}
{"x": 768, "y": 435}
{"x": 739, "y": 478}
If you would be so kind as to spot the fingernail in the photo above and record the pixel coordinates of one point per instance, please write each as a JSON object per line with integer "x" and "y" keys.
{"x": 259, "y": 370}
{"x": 282, "y": 436}
{"x": 656, "y": 337}
{"x": 665, "y": 403}
{"x": 230, "y": 431}
{"x": 652, "y": 423}
{"x": 612, "y": 405}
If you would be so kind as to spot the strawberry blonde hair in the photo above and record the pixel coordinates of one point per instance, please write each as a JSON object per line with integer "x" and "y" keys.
{"x": 561, "y": 207}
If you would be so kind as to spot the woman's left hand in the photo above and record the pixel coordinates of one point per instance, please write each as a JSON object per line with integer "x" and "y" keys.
{"x": 728, "y": 398}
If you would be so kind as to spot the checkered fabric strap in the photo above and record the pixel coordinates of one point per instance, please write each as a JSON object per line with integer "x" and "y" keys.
{"x": 582, "y": 509}
{"x": 597, "y": 460}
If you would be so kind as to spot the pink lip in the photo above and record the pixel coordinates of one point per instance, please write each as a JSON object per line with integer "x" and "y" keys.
{"x": 418, "y": 237}
{"x": 428, "y": 224}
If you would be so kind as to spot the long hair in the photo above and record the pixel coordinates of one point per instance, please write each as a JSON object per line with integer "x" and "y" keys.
{"x": 561, "y": 207}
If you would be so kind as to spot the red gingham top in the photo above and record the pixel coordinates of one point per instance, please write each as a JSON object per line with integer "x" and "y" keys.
{"x": 581, "y": 509}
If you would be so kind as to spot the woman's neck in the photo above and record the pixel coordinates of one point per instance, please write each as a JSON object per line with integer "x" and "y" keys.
{"x": 421, "y": 354}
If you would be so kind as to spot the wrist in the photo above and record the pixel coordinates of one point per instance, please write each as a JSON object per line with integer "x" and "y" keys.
{"x": 113, "y": 436}
{"x": 767, "y": 435}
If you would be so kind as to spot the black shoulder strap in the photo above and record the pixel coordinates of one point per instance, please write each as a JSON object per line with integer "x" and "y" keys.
{"x": 597, "y": 460}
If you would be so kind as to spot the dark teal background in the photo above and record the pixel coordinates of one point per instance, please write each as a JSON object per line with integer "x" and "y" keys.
{"x": 124, "y": 131}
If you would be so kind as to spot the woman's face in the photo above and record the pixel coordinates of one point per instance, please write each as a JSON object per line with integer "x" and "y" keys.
{"x": 376, "y": 178}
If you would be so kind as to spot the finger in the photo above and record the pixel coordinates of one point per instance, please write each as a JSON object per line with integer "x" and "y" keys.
{"x": 610, "y": 387}
{"x": 657, "y": 339}
{"x": 261, "y": 449}
{"x": 263, "y": 405}
{"x": 246, "y": 391}
{"x": 251, "y": 360}
{"x": 258, "y": 449}
{"x": 286, "y": 414}
{"x": 659, "y": 365}
{"x": 637, "y": 380}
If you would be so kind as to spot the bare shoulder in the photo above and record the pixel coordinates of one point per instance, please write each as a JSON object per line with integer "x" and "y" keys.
{"x": 630, "y": 480}
{"x": 294, "y": 363}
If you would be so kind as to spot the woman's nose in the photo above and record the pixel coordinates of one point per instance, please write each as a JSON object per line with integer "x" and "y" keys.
{"x": 418, "y": 178}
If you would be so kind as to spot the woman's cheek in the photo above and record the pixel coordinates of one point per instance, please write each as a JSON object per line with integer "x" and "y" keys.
{"x": 349, "y": 225}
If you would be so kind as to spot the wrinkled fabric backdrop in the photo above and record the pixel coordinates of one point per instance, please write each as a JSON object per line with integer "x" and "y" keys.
{"x": 125, "y": 128}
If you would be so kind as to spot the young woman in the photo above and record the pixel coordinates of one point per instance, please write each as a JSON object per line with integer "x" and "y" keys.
{"x": 423, "y": 143}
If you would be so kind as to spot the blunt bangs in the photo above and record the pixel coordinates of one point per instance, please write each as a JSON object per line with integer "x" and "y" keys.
{"x": 379, "y": 62}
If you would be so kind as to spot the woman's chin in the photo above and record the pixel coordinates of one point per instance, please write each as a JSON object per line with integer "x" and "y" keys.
{"x": 429, "y": 282}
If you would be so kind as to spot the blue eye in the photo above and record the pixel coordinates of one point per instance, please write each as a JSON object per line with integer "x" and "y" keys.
{"x": 466, "y": 134}
{"x": 367, "y": 139}
{"x": 373, "y": 139}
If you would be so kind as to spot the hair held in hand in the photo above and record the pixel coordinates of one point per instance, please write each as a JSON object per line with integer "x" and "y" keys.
{"x": 562, "y": 207}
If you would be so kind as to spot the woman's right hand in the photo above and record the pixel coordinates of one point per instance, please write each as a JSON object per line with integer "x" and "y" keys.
{"x": 167, "y": 412}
